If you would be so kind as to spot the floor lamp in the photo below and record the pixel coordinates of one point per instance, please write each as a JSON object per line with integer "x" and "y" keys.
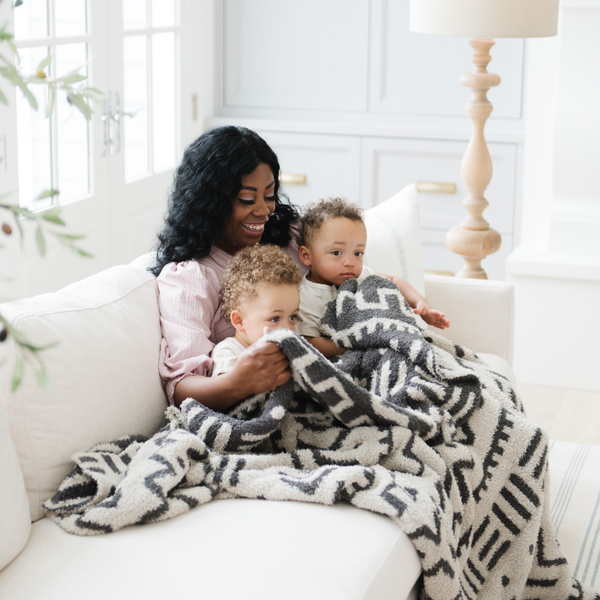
{"x": 474, "y": 239}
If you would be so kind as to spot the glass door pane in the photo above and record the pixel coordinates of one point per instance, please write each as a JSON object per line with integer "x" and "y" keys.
{"x": 150, "y": 83}
{"x": 31, "y": 20}
{"x": 163, "y": 13}
{"x": 34, "y": 137}
{"x": 135, "y": 101}
{"x": 72, "y": 135}
{"x": 70, "y": 17}
{"x": 54, "y": 151}
{"x": 144, "y": 69}
{"x": 134, "y": 14}
{"x": 163, "y": 100}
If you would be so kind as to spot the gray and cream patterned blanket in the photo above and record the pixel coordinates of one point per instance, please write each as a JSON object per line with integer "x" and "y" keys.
{"x": 405, "y": 424}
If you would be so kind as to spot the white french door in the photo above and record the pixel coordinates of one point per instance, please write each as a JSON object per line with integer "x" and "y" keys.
{"x": 113, "y": 172}
{"x": 146, "y": 49}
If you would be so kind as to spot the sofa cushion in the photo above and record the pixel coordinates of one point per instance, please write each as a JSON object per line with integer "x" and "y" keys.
{"x": 394, "y": 238}
{"x": 14, "y": 509}
{"x": 481, "y": 312}
{"x": 251, "y": 549}
{"x": 500, "y": 365}
{"x": 103, "y": 373}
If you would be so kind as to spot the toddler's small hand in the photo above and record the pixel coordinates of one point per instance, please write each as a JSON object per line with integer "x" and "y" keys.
{"x": 431, "y": 316}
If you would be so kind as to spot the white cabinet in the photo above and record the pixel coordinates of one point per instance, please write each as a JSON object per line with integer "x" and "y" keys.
{"x": 330, "y": 164}
{"x": 389, "y": 164}
{"x": 295, "y": 55}
{"x": 351, "y": 100}
{"x": 418, "y": 74}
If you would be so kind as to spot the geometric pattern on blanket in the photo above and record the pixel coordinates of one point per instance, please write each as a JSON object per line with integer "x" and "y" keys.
{"x": 406, "y": 424}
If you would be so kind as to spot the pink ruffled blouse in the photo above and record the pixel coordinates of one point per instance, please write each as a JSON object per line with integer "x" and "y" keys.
{"x": 192, "y": 322}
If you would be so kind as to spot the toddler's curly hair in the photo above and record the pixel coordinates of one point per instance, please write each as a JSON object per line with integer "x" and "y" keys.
{"x": 322, "y": 211}
{"x": 252, "y": 267}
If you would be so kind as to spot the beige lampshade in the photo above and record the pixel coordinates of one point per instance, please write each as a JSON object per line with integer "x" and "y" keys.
{"x": 485, "y": 18}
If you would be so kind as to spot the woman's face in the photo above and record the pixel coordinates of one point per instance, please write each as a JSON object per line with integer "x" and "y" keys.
{"x": 252, "y": 208}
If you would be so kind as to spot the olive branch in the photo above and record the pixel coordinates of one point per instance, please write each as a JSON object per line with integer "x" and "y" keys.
{"x": 46, "y": 221}
{"x": 28, "y": 353}
{"x": 77, "y": 95}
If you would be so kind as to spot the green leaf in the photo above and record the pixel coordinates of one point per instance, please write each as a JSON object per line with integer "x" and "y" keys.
{"x": 75, "y": 78}
{"x": 18, "y": 3}
{"x": 23, "y": 212}
{"x": 48, "y": 194}
{"x": 23, "y": 341}
{"x": 11, "y": 73}
{"x": 52, "y": 216}
{"x": 35, "y": 349}
{"x": 70, "y": 236}
{"x": 92, "y": 94}
{"x": 17, "y": 375}
{"x": 76, "y": 70}
{"x": 41, "y": 243}
{"x": 30, "y": 97}
{"x": 44, "y": 63}
{"x": 81, "y": 104}
{"x": 3, "y": 98}
{"x": 50, "y": 103}
{"x": 15, "y": 78}
{"x": 83, "y": 253}
{"x": 20, "y": 228}
{"x": 42, "y": 378}
{"x": 11, "y": 45}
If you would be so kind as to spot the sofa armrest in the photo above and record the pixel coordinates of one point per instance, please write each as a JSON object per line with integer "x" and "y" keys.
{"x": 481, "y": 312}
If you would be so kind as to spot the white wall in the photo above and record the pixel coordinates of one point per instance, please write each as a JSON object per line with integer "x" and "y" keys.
{"x": 556, "y": 269}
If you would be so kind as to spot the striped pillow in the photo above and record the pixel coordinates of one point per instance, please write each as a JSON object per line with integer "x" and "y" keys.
{"x": 575, "y": 506}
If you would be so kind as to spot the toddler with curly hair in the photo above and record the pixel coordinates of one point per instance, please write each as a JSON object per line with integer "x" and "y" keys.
{"x": 260, "y": 293}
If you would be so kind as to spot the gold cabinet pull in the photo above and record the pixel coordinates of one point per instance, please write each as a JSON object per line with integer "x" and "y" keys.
{"x": 434, "y": 187}
{"x": 292, "y": 179}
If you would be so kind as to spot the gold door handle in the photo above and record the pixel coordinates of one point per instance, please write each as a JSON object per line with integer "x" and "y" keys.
{"x": 292, "y": 179}
{"x": 434, "y": 187}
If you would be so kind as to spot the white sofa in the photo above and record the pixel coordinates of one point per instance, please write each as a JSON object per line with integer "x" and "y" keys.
{"x": 105, "y": 384}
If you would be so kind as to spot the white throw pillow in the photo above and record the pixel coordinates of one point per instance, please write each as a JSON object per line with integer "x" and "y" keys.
{"x": 103, "y": 373}
{"x": 394, "y": 238}
{"x": 14, "y": 509}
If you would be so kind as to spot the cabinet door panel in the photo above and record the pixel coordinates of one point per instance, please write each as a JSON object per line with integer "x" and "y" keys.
{"x": 414, "y": 73}
{"x": 306, "y": 55}
{"x": 331, "y": 164}
{"x": 437, "y": 257}
{"x": 390, "y": 164}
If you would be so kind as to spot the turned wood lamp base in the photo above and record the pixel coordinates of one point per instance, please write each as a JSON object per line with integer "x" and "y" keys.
{"x": 474, "y": 239}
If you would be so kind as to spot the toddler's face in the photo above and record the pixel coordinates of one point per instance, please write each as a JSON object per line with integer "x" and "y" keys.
{"x": 337, "y": 250}
{"x": 275, "y": 306}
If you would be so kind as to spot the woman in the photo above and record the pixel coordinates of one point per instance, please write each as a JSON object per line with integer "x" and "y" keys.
{"x": 225, "y": 197}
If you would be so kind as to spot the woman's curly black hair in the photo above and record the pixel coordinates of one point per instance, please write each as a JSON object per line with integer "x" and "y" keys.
{"x": 204, "y": 185}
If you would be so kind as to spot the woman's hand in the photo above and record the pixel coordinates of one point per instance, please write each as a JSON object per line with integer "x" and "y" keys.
{"x": 261, "y": 368}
